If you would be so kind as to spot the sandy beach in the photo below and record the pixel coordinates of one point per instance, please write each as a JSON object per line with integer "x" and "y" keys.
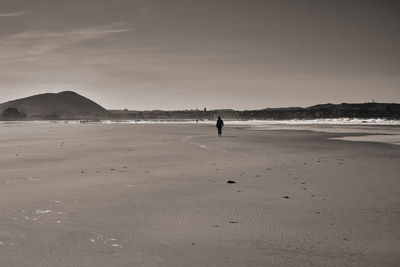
{"x": 157, "y": 195}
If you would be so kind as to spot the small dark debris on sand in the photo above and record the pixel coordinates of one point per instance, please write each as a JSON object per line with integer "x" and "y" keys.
{"x": 112, "y": 169}
{"x": 287, "y": 197}
{"x": 233, "y": 222}
{"x": 231, "y": 182}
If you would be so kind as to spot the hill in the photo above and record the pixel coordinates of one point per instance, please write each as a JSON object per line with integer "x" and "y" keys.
{"x": 64, "y": 105}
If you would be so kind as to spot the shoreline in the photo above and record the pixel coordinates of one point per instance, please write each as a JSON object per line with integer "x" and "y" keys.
{"x": 319, "y": 121}
{"x": 383, "y": 132}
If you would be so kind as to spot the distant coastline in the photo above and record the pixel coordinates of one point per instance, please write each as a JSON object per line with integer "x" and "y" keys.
{"x": 324, "y": 111}
{"x": 72, "y": 106}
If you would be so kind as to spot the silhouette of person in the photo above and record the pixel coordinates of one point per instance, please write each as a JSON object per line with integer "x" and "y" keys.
{"x": 220, "y": 124}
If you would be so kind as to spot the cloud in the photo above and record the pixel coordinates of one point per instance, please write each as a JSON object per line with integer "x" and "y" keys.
{"x": 32, "y": 44}
{"x": 14, "y": 14}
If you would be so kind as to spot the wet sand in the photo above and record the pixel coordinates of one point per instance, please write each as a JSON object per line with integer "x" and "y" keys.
{"x": 157, "y": 195}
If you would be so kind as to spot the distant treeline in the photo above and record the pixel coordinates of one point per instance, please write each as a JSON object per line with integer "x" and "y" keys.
{"x": 364, "y": 110}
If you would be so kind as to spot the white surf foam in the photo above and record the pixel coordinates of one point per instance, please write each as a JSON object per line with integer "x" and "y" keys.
{"x": 340, "y": 121}
{"x": 43, "y": 211}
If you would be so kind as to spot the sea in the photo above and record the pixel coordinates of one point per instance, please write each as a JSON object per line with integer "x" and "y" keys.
{"x": 356, "y": 130}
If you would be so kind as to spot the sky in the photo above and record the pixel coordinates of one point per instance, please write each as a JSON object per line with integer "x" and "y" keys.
{"x": 186, "y": 54}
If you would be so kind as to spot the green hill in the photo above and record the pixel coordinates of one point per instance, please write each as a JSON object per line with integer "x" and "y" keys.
{"x": 64, "y": 105}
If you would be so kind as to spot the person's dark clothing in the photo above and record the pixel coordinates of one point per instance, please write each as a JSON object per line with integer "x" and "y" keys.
{"x": 220, "y": 124}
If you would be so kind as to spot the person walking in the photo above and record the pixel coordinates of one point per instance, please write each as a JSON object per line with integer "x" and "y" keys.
{"x": 220, "y": 124}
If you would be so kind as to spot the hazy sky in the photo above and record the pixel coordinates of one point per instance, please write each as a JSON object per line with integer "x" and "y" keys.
{"x": 183, "y": 54}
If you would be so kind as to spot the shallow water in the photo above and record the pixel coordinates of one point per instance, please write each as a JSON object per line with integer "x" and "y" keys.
{"x": 372, "y": 130}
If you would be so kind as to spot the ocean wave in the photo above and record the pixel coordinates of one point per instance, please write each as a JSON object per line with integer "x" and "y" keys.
{"x": 330, "y": 121}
